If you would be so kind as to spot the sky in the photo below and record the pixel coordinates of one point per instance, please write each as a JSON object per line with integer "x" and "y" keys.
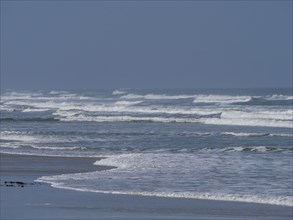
{"x": 145, "y": 44}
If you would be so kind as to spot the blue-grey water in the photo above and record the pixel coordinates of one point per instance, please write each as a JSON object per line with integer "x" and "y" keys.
{"x": 231, "y": 145}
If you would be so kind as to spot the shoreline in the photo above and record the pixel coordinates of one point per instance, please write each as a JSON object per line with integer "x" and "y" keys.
{"x": 41, "y": 201}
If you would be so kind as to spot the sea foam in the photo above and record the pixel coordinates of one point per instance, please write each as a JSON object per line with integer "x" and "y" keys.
{"x": 136, "y": 173}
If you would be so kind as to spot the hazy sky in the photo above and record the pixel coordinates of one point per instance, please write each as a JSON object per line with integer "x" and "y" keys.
{"x": 128, "y": 44}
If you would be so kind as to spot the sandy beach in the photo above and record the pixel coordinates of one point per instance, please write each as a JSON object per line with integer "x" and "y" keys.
{"x": 22, "y": 198}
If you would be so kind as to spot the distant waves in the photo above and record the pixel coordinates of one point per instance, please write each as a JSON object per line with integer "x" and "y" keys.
{"x": 122, "y": 106}
{"x": 217, "y": 144}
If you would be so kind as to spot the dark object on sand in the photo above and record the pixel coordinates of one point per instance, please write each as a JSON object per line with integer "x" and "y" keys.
{"x": 18, "y": 184}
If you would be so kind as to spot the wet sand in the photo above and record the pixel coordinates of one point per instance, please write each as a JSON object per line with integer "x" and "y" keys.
{"x": 22, "y": 198}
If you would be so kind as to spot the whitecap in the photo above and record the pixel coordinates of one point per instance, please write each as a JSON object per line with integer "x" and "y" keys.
{"x": 224, "y": 99}
{"x": 248, "y": 122}
{"x": 279, "y": 97}
{"x": 161, "y": 174}
{"x": 118, "y": 92}
{"x": 35, "y": 110}
{"x": 156, "y": 96}
{"x": 127, "y": 103}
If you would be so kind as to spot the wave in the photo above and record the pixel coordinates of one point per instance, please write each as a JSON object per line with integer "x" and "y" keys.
{"x": 127, "y": 103}
{"x": 200, "y": 98}
{"x": 208, "y": 119}
{"x": 29, "y": 119}
{"x": 23, "y": 98}
{"x": 58, "y": 92}
{"x": 17, "y": 137}
{"x": 129, "y": 119}
{"x": 161, "y": 175}
{"x": 281, "y": 135}
{"x": 258, "y": 114}
{"x": 248, "y": 122}
{"x": 233, "y": 134}
{"x": 51, "y": 154}
{"x": 130, "y": 109}
{"x": 279, "y": 97}
{"x": 56, "y": 148}
{"x": 118, "y": 92}
{"x": 51, "y": 148}
{"x": 8, "y": 145}
{"x": 258, "y": 149}
{"x": 6, "y": 109}
{"x": 118, "y": 106}
{"x": 280, "y": 200}
{"x": 155, "y": 96}
{"x": 243, "y": 134}
{"x": 33, "y": 143}
{"x": 55, "y": 137}
{"x": 224, "y": 99}
{"x": 35, "y": 110}
{"x": 14, "y": 132}
{"x": 197, "y": 98}
{"x": 268, "y": 101}
{"x": 18, "y": 95}
{"x": 245, "y": 100}
{"x": 208, "y": 150}
{"x": 253, "y": 117}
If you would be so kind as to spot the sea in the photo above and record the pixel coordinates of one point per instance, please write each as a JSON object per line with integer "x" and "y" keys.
{"x": 215, "y": 144}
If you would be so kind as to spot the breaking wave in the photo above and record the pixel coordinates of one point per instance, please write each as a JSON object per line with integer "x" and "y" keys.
{"x": 243, "y": 134}
{"x": 118, "y": 92}
{"x": 224, "y": 99}
{"x": 135, "y": 175}
{"x": 199, "y": 120}
{"x": 156, "y": 96}
{"x": 29, "y": 119}
{"x": 127, "y": 103}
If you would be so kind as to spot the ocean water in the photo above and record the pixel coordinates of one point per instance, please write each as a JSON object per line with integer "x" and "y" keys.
{"x": 233, "y": 145}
